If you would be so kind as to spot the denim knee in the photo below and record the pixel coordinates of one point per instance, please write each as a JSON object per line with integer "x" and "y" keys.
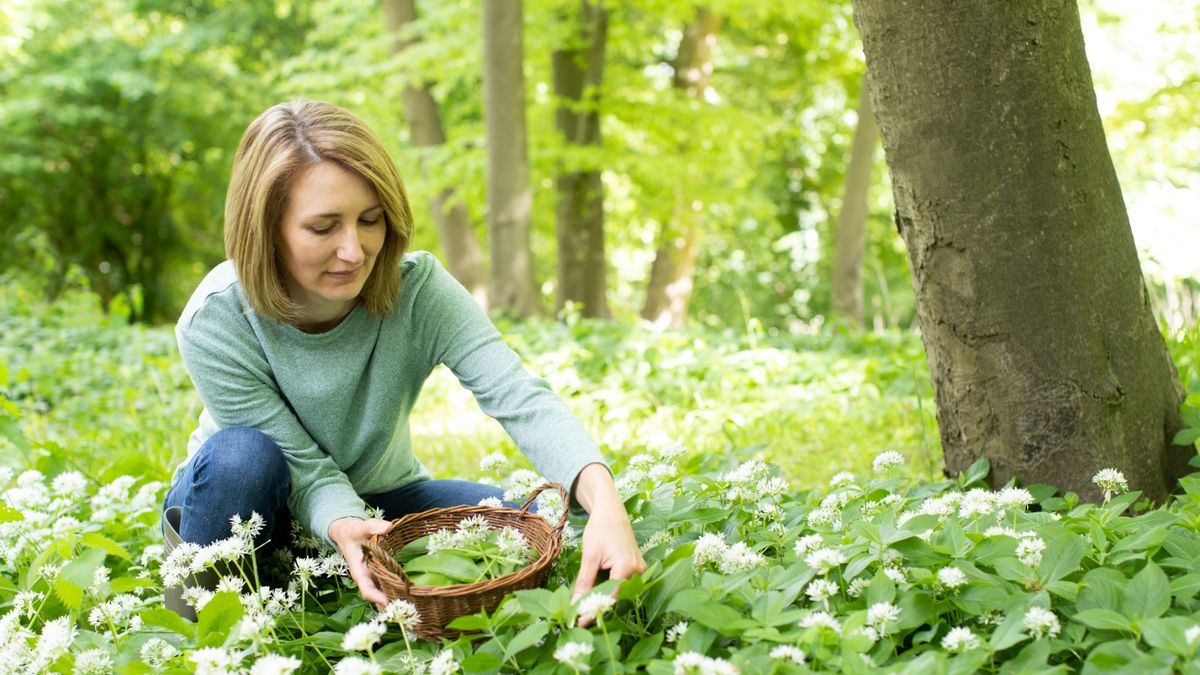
{"x": 243, "y": 464}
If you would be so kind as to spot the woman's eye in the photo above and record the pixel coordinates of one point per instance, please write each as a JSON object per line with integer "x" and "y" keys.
{"x": 364, "y": 221}
{"x": 322, "y": 230}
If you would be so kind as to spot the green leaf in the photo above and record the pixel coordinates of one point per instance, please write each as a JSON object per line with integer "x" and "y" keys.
{"x": 1101, "y": 588}
{"x": 526, "y": 638}
{"x": 1186, "y": 586}
{"x": 1104, "y": 619}
{"x": 447, "y": 564}
{"x": 481, "y": 662}
{"x": 470, "y": 622}
{"x": 1148, "y": 594}
{"x": 881, "y": 589}
{"x": 978, "y": 470}
{"x": 645, "y": 649}
{"x": 1169, "y": 633}
{"x": 126, "y": 584}
{"x": 1186, "y": 437}
{"x": 217, "y": 617}
{"x": 1012, "y": 629}
{"x": 97, "y": 540}
{"x": 77, "y": 575}
{"x": 699, "y": 605}
{"x": 1061, "y": 558}
{"x": 165, "y": 618}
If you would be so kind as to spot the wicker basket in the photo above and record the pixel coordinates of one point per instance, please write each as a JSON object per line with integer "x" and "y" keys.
{"x": 439, "y": 605}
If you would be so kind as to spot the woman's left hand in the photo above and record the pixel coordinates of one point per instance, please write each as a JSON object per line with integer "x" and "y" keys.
{"x": 608, "y": 541}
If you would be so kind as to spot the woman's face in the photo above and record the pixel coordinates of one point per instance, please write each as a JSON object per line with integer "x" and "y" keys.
{"x": 332, "y": 231}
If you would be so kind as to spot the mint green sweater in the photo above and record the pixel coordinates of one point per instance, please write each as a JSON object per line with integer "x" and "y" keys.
{"x": 338, "y": 402}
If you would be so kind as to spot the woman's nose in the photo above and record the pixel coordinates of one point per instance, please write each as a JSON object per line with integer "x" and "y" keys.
{"x": 350, "y": 245}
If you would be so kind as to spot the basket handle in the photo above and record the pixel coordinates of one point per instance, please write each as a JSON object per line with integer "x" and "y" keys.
{"x": 562, "y": 518}
{"x": 372, "y": 549}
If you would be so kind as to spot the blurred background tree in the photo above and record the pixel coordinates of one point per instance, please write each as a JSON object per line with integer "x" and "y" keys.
{"x": 709, "y": 171}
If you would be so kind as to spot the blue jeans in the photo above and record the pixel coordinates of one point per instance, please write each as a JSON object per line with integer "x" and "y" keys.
{"x": 241, "y": 470}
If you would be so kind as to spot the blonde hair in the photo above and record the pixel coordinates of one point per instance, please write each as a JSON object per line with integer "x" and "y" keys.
{"x": 278, "y": 146}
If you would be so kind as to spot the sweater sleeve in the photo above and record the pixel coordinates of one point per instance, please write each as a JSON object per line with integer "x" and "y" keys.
{"x": 238, "y": 389}
{"x": 458, "y": 334}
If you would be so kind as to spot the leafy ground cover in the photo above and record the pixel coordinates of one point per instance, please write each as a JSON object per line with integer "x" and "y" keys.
{"x": 833, "y": 556}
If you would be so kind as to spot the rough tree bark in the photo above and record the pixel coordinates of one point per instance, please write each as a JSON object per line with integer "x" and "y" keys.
{"x": 464, "y": 258}
{"x": 578, "y": 72}
{"x": 510, "y": 199}
{"x": 851, "y": 237}
{"x": 1045, "y": 355}
{"x": 670, "y": 286}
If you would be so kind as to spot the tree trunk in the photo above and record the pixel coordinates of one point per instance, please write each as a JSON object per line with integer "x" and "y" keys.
{"x": 510, "y": 198}
{"x": 851, "y": 237}
{"x": 670, "y": 287}
{"x": 459, "y": 244}
{"x": 1045, "y": 356}
{"x": 578, "y": 72}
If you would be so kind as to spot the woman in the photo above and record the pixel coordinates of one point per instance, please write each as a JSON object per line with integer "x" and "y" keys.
{"x": 310, "y": 345}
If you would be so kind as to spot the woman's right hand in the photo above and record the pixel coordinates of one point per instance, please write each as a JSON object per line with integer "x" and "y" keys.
{"x": 349, "y": 534}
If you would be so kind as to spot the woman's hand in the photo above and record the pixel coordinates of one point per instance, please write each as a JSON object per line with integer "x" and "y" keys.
{"x": 608, "y": 541}
{"x": 349, "y": 535}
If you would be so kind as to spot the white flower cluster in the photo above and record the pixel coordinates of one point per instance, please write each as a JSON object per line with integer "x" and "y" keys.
{"x": 951, "y": 577}
{"x": 574, "y": 655}
{"x": 960, "y": 640}
{"x": 822, "y": 560}
{"x": 1111, "y": 481}
{"x": 1041, "y": 622}
{"x": 689, "y": 663}
{"x": 729, "y": 559}
{"x": 1030, "y": 549}
{"x": 594, "y": 605}
{"x": 468, "y": 533}
{"x": 788, "y": 653}
{"x": 880, "y": 614}
{"x": 886, "y": 461}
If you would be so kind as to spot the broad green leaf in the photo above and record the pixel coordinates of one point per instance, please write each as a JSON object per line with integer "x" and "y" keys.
{"x": 481, "y": 662}
{"x": 1104, "y": 619}
{"x": 165, "y": 618}
{"x": 528, "y": 637}
{"x": 1186, "y": 586}
{"x": 77, "y": 575}
{"x": 702, "y": 607}
{"x": 1101, "y": 588}
{"x": 214, "y": 620}
{"x": 645, "y": 649}
{"x": 470, "y": 622}
{"x": 1061, "y": 558}
{"x": 126, "y": 584}
{"x": 97, "y": 540}
{"x": 1169, "y": 633}
{"x": 881, "y": 589}
{"x": 1148, "y": 594}
{"x": 446, "y": 564}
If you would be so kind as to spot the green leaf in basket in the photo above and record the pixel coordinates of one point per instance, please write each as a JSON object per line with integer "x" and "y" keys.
{"x": 430, "y": 579}
{"x": 447, "y": 564}
{"x": 412, "y": 549}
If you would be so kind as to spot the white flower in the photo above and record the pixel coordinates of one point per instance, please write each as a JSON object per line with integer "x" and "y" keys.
{"x": 100, "y": 577}
{"x": 841, "y": 479}
{"x": 443, "y": 664}
{"x": 788, "y": 653}
{"x": 574, "y": 655}
{"x": 691, "y": 662}
{"x": 361, "y": 637}
{"x": 659, "y": 538}
{"x": 887, "y": 460}
{"x": 93, "y": 662}
{"x": 1191, "y": 634}
{"x": 69, "y": 484}
{"x": 1030, "y": 549}
{"x": 156, "y": 652}
{"x": 213, "y": 661}
{"x": 1111, "y": 481}
{"x": 951, "y": 577}
{"x": 595, "y": 604}
{"x": 747, "y": 473}
{"x": 248, "y": 529}
{"x": 1014, "y": 498}
{"x": 57, "y": 635}
{"x": 357, "y": 666}
{"x": 821, "y": 620}
{"x": 827, "y": 517}
{"x": 402, "y": 613}
{"x": 710, "y": 547}
{"x": 275, "y": 664}
{"x": 491, "y": 501}
{"x": 895, "y": 574}
{"x": 856, "y": 587}
{"x": 824, "y": 559}
{"x": 1041, "y": 622}
{"x": 1001, "y": 531}
{"x": 23, "y": 603}
{"x": 869, "y": 633}
{"x": 740, "y": 558}
{"x": 492, "y": 462}
{"x": 521, "y": 482}
{"x": 960, "y": 640}
{"x": 977, "y": 502}
{"x": 821, "y": 590}
{"x": 675, "y": 632}
{"x": 808, "y": 543}
{"x": 880, "y": 613}
{"x": 772, "y": 487}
